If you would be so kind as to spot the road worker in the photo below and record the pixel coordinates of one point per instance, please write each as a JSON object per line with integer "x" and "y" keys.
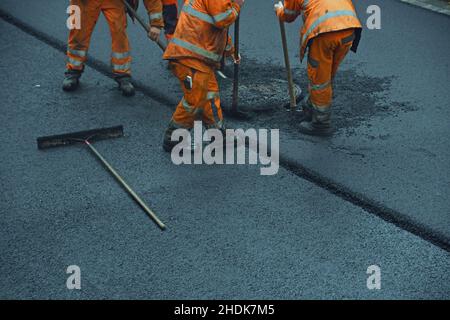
{"x": 115, "y": 14}
{"x": 194, "y": 54}
{"x": 330, "y": 29}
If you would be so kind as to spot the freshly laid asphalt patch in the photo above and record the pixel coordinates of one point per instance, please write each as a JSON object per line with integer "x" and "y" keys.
{"x": 262, "y": 88}
{"x": 357, "y": 99}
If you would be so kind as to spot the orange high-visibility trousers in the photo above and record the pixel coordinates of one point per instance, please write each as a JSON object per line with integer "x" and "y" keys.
{"x": 326, "y": 53}
{"x": 170, "y": 15}
{"x": 114, "y": 12}
{"x": 201, "y": 102}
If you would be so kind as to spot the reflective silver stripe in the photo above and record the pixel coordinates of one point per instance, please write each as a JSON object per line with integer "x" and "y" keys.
{"x": 325, "y": 108}
{"x": 189, "y": 9}
{"x": 218, "y": 125}
{"x": 212, "y": 95}
{"x": 329, "y": 15}
{"x": 186, "y": 105}
{"x": 189, "y": 46}
{"x": 76, "y": 63}
{"x": 155, "y": 16}
{"x": 121, "y": 67}
{"x": 291, "y": 12}
{"x": 79, "y": 53}
{"x": 223, "y": 16}
{"x": 118, "y": 55}
{"x": 320, "y": 86}
{"x": 202, "y": 16}
{"x": 235, "y": 12}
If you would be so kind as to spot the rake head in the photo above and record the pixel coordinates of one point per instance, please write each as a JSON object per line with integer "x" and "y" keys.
{"x": 81, "y": 136}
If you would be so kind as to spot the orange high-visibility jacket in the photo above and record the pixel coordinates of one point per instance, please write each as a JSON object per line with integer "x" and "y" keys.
{"x": 202, "y": 32}
{"x": 321, "y": 16}
{"x": 154, "y": 9}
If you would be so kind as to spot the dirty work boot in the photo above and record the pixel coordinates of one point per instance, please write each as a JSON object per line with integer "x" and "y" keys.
{"x": 320, "y": 124}
{"x": 126, "y": 86}
{"x": 306, "y": 111}
{"x": 71, "y": 80}
{"x": 223, "y": 129}
{"x": 168, "y": 144}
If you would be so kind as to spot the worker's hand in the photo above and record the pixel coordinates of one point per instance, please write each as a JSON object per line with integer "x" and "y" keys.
{"x": 278, "y": 6}
{"x": 154, "y": 33}
{"x": 240, "y": 3}
{"x": 238, "y": 59}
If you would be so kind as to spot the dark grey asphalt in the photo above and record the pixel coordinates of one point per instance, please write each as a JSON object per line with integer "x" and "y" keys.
{"x": 232, "y": 233}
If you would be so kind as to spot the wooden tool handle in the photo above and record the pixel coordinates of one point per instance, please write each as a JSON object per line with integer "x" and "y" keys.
{"x": 287, "y": 62}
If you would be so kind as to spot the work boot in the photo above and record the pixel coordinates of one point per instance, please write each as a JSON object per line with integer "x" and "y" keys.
{"x": 221, "y": 127}
{"x": 168, "y": 144}
{"x": 306, "y": 111}
{"x": 126, "y": 86}
{"x": 71, "y": 80}
{"x": 320, "y": 124}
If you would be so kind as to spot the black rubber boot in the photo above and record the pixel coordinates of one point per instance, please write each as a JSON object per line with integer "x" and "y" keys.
{"x": 320, "y": 124}
{"x": 221, "y": 127}
{"x": 306, "y": 112}
{"x": 71, "y": 80}
{"x": 126, "y": 86}
{"x": 168, "y": 144}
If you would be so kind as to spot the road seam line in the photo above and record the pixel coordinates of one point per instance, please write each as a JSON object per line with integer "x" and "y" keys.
{"x": 427, "y": 6}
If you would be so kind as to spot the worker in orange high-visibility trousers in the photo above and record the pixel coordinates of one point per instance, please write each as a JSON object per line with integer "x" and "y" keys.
{"x": 195, "y": 53}
{"x": 115, "y": 14}
{"x": 330, "y": 30}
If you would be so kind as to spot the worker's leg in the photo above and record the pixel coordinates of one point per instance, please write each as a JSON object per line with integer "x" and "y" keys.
{"x": 320, "y": 61}
{"x": 212, "y": 112}
{"x": 325, "y": 54}
{"x": 79, "y": 39}
{"x": 344, "y": 43}
{"x": 114, "y": 11}
{"x": 170, "y": 15}
{"x": 192, "y": 105}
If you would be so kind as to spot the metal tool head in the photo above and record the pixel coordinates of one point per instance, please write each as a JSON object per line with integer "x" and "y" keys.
{"x": 81, "y": 136}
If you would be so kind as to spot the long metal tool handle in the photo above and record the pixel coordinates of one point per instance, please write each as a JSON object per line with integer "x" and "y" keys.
{"x": 234, "y": 106}
{"x": 126, "y": 186}
{"x": 288, "y": 67}
{"x": 143, "y": 24}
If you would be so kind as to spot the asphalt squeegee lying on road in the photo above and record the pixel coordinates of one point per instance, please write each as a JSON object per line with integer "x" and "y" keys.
{"x": 86, "y": 137}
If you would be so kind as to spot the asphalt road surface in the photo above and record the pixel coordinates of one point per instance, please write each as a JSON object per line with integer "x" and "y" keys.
{"x": 377, "y": 193}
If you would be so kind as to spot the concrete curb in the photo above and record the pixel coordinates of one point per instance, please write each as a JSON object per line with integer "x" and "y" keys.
{"x": 433, "y": 5}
